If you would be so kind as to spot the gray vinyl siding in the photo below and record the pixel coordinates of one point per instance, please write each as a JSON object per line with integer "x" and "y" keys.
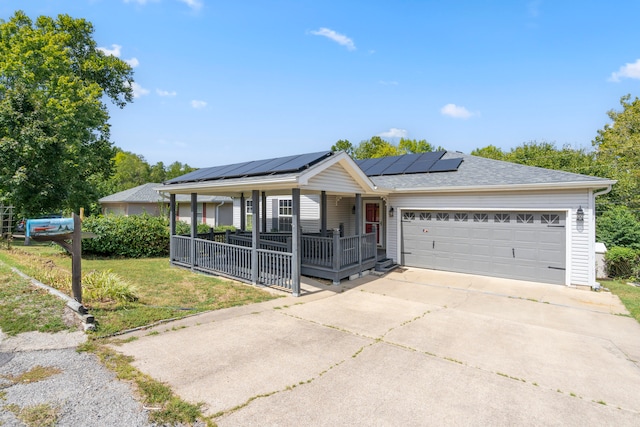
{"x": 580, "y": 239}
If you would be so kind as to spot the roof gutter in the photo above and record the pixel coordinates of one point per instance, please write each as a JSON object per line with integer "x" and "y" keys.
{"x": 506, "y": 187}
{"x": 602, "y": 192}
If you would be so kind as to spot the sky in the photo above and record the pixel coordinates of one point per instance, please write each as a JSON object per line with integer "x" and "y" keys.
{"x": 219, "y": 82}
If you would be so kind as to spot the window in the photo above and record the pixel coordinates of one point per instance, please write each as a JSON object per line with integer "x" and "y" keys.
{"x": 502, "y": 217}
{"x": 248, "y": 214}
{"x": 285, "y": 212}
{"x": 442, "y": 216}
{"x": 461, "y": 217}
{"x": 550, "y": 219}
{"x": 524, "y": 218}
{"x": 425, "y": 216}
{"x": 480, "y": 217}
{"x": 199, "y": 213}
{"x": 409, "y": 215}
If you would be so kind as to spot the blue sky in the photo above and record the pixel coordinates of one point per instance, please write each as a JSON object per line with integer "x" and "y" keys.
{"x": 227, "y": 81}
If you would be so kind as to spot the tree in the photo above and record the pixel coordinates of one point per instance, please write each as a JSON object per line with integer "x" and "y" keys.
{"x": 176, "y": 169}
{"x": 413, "y": 146}
{"x": 618, "y": 152}
{"x": 54, "y": 131}
{"x": 618, "y": 226}
{"x": 344, "y": 145}
{"x": 378, "y": 147}
{"x": 489, "y": 152}
{"x": 130, "y": 170}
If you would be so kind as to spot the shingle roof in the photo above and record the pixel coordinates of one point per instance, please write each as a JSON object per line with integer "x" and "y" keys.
{"x": 147, "y": 193}
{"x": 479, "y": 171}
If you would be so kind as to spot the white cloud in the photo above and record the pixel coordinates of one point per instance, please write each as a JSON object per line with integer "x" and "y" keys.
{"x": 198, "y": 104}
{"x": 394, "y": 133}
{"x": 457, "y": 112}
{"x": 341, "y": 39}
{"x": 629, "y": 71}
{"x": 138, "y": 90}
{"x": 133, "y": 62}
{"x": 115, "y": 50}
{"x": 193, "y": 4}
{"x": 161, "y": 92}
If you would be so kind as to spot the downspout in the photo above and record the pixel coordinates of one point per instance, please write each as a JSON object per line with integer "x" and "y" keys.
{"x": 215, "y": 223}
{"x": 595, "y": 285}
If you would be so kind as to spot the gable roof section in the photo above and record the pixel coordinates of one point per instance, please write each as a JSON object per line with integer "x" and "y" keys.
{"x": 335, "y": 173}
{"x": 478, "y": 173}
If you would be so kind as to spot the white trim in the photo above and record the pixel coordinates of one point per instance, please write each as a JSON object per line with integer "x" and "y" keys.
{"x": 505, "y": 187}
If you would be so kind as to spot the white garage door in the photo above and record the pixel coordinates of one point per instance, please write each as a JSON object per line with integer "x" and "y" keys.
{"x": 518, "y": 245}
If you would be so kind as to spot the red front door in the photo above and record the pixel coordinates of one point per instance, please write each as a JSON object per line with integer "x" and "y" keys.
{"x": 372, "y": 219}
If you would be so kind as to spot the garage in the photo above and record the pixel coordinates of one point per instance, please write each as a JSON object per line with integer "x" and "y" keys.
{"x": 512, "y": 244}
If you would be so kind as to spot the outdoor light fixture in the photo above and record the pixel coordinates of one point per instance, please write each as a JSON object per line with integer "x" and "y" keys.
{"x": 391, "y": 212}
{"x": 580, "y": 214}
{"x": 353, "y": 210}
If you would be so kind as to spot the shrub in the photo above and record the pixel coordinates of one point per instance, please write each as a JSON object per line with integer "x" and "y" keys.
{"x": 182, "y": 228}
{"x": 622, "y": 262}
{"x": 132, "y": 236}
{"x": 106, "y": 286}
{"x": 618, "y": 226}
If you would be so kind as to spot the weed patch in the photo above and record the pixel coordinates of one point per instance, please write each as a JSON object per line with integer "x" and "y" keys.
{"x": 43, "y": 415}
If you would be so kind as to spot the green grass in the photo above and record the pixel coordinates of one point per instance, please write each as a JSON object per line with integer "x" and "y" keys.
{"x": 161, "y": 291}
{"x": 25, "y": 308}
{"x": 629, "y": 295}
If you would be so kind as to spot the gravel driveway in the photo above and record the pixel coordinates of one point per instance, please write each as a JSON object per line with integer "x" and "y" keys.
{"x": 76, "y": 385}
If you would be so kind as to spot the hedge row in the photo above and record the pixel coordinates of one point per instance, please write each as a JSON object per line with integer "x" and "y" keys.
{"x": 134, "y": 236}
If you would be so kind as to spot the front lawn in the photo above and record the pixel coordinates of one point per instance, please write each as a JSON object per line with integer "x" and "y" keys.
{"x": 628, "y": 294}
{"x": 163, "y": 292}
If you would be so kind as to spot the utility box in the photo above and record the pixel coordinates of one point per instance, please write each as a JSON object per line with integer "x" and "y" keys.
{"x": 601, "y": 268}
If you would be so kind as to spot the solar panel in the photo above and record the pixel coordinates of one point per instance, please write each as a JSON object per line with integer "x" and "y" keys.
{"x": 254, "y": 168}
{"x": 382, "y": 165}
{"x": 446, "y": 165}
{"x": 424, "y": 163}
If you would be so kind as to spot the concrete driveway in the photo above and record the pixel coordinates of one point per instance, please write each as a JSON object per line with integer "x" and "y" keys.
{"x": 416, "y": 347}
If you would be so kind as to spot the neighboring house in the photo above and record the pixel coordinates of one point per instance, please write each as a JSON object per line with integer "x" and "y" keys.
{"x": 145, "y": 198}
{"x": 442, "y": 210}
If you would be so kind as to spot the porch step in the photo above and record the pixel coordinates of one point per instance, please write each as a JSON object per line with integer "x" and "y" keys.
{"x": 385, "y": 265}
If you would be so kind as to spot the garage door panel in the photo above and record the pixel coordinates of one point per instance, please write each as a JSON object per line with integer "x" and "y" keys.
{"x": 489, "y": 247}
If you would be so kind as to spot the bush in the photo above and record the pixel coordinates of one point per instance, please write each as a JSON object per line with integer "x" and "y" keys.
{"x": 132, "y": 236}
{"x": 618, "y": 226}
{"x": 182, "y": 228}
{"x": 622, "y": 262}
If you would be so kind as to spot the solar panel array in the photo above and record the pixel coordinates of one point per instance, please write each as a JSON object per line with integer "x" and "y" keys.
{"x": 409, "y": 163}
{"x": 278, "y": 165}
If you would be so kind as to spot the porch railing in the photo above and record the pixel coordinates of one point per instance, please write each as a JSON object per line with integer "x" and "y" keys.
{"x": 330, "y": 257}
{"x": 234, "y": 260}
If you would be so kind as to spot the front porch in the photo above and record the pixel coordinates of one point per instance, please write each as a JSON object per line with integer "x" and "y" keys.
{"x": 342, "y": 240}
{"x": 231, "y": 255}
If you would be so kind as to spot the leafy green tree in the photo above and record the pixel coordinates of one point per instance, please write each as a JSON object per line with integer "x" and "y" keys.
{"x": 375, "y": 147}
{"x": 157, "y": 173}
{"x": 618, "y": 226}
{"x": 176, "y": 169}
{"x": 413, "y": 146}
{"x": 618, "y": 152}
{"x": 344, "y": 145}
{"x": 130, "y": 170}
{"x": 54, "y": 131}
{"x": 489, "y": 152}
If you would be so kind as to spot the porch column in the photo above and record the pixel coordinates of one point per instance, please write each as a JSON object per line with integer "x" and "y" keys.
{"x": 255, "y": 237}
{"x": 172, "y": 225}
{"x": 359, "y": 229}
{"x": 264, "y": 213}
{"x": 295, "y": 241}
{"x": 194, "y": 227}
{"x": 243, "y": 213}
{"x": 323, "y": 214}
